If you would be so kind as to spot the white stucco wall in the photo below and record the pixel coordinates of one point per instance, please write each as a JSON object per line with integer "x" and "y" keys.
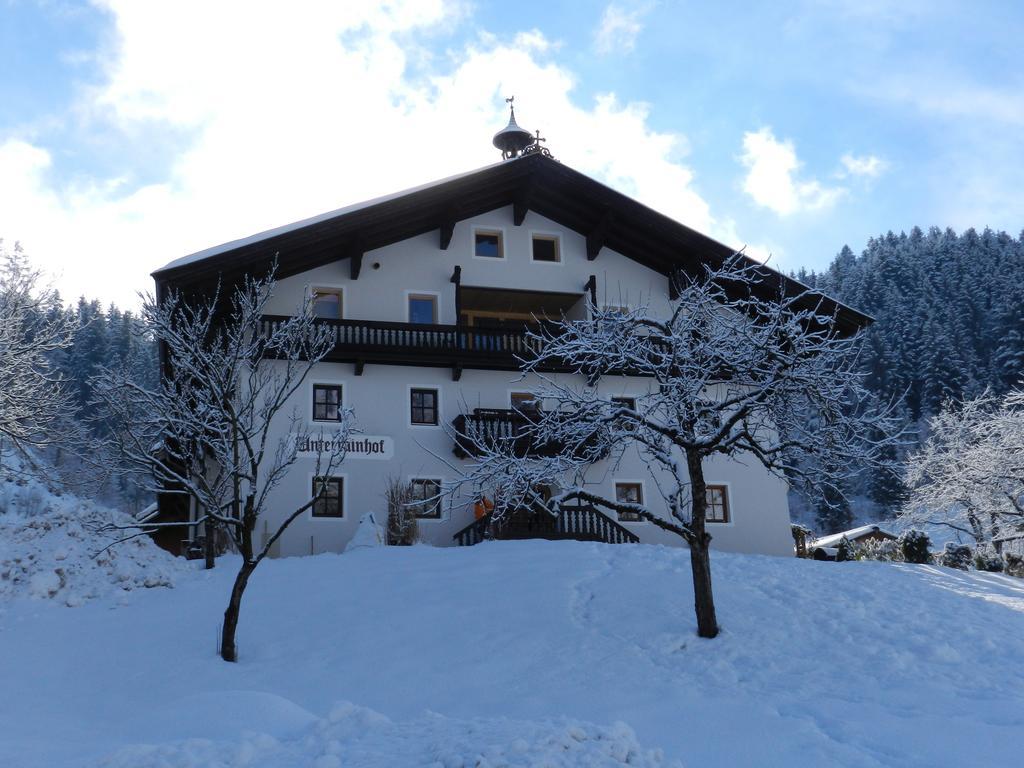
{"x": 380, "y": 397}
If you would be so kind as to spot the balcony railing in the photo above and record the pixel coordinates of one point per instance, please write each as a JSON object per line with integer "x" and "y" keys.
{"x": 504, "y": 430}
{"x": 422, "y": 344}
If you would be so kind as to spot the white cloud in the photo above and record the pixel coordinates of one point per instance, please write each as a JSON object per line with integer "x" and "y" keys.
{"x": 771, "y": 178}
{"x": 289, "y": 114}
{"x": 619, "y": 28}
{"x": 868, "y": 166}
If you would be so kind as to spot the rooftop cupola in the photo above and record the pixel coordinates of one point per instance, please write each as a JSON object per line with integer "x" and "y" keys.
{"x": 512, "y": 139}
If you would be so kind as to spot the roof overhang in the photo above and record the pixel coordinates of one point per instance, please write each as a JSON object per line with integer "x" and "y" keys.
{"x": 606, "y": 218}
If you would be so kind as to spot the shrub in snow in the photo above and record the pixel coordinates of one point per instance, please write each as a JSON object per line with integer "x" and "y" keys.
{"x": 1014, "y": 565}
{"x": 886, "y": 551}
{"x": 986, "y": 560}
{"x": 845, "y": 550}
{"x": 915, "y": 546}
{"x": 403, "y": 527}
{"x": 956, "y": 556}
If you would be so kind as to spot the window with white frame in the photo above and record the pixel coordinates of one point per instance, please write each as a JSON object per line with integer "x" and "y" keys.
{"x": 422, "y": 308}
{"x": 426, "y": 497}
{"x": 423, "y": 408}
{"x": 328, "y": 303}
{"x": 487, "y": 243}
{"x": 629, "y": 493}
{"x": 546, "y": 249}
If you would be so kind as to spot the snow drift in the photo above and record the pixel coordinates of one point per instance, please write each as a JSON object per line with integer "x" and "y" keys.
{"x": 49, "y": 545}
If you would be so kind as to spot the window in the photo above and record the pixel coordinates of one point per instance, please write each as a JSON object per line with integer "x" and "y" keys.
{"x": 423, "y": 406}
{"x": 629, "y": 493}
{"x": 331, "y": 502}
{"x": 545, "y": 248}
{"x": 326, "y": 402}
{"x": 427, "y": 495}
{"x": 524, "y": 402}
{"x": 718, "y": 504}
{"x": 327, "y": 303}
{"x": 625, "y": 402}
{"x": 488, "y": 244}
{"x": 422, "y": 308}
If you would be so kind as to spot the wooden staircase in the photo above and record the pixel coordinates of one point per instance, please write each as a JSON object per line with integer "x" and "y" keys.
{"x": 580, "y": 523}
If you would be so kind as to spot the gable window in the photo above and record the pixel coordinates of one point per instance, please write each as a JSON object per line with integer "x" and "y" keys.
{"x": 629, "y": 493}
{"x": 545, "y": 248}
{"x": 426, "y": 495}
{"x": 326, "y": 402}
{"x": 423, "y": 406}
{"x": 422, "y": 308}
{"x": 487, "y": 243}
{"x": 328, "y": 303}
{"x": 331, "y": 502}
{"x": 718, "y": 504}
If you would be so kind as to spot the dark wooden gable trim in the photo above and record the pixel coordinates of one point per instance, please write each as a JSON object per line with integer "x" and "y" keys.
{"x": 354, "y": 252}
{"x": 521, "y": 203}
{"x": 535, "y": 183}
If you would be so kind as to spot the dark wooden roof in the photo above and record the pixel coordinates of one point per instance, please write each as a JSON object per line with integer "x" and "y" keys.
{"x": 532, "y": 182}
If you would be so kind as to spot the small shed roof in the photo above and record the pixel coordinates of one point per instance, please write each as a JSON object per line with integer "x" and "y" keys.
{"x": 853, "y": 534}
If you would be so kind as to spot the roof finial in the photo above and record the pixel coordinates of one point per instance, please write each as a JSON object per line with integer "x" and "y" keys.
{"x": 512, "y": 139}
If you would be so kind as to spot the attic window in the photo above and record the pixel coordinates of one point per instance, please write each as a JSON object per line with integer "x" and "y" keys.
{"x": 545, "y": 248}
{"x": 327, "y": 303}
{"x": 487, "y": 244}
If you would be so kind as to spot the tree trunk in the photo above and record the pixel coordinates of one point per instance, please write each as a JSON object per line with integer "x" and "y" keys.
{"x": 228, "y": 650}
{"x": 700, "y": 556}
{"x": 209, "y": 547}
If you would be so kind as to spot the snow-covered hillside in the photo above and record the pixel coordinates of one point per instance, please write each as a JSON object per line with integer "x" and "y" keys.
{"x": 525, "y": 653}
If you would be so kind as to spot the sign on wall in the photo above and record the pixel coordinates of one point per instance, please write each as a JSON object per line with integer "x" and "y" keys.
{"x": 356, "y": 446}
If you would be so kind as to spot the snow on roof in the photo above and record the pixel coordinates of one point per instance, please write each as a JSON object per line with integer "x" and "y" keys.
{"x": 216, "y": 250}
{"x": 147, "y": 513}
{"x": 853, "y": 534}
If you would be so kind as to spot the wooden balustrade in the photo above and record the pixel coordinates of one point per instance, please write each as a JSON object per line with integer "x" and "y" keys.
{"x": 581, "y": 523}
{"x": 396, "y": 343}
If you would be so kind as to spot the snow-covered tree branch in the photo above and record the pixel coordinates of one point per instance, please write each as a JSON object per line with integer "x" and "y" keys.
{"x": 969, "y": 474}
{"x": 734, "y": 368}
{"x": 211, "y": 430}
{"x": 35, "y": 406}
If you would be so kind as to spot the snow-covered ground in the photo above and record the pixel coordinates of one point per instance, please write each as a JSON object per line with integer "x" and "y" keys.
{"x": 524, "y": 653}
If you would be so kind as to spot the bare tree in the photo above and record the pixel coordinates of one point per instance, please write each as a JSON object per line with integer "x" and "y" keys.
{"x": 36, "y": 408}
{"x": 968, "y": 476}
{"x": 212, "y": 429}
{"x": 736, "y": 368}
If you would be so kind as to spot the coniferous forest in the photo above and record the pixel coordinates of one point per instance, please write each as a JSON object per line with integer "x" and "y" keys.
{"x": 949, "y": 317}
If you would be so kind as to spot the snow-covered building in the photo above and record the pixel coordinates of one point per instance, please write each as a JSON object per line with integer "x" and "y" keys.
{"x": 825, "y": 547}
{"x": 429, "y": 291}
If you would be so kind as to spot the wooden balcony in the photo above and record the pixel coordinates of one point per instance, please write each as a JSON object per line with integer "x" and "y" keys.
{"x": 392, "y": 343}
{"x": 505, "y": 429}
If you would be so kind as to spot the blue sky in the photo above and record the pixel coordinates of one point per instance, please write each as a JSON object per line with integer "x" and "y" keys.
{"x": 132, "y": 133}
